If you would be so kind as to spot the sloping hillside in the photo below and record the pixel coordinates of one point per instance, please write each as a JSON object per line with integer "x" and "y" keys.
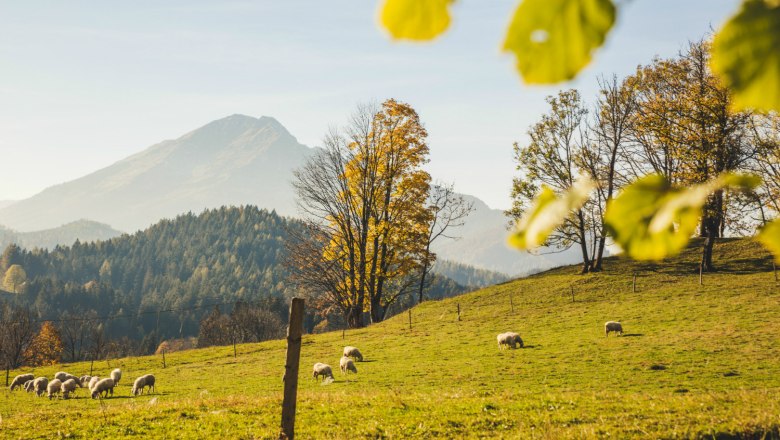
{"x": 695, "y": 362}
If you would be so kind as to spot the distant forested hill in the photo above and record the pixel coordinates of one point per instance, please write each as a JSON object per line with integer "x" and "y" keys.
{"x": 83, "y": 230}
{"x": 188, "y": 264}
{"x": 468, "y": 275}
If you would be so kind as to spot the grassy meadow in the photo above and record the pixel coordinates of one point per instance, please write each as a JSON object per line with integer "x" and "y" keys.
{"x": 695, "y": 362}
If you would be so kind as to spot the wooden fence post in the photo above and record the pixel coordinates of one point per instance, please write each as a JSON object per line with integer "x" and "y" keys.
{"x": 234, "y": 349}
{"x": 410, "y": 319}
{"x": 7, "y": 372}
{"x": 774, "y": 268}
{"x": 163, "y": 353}
{"x": 572, "y": 293}
{"x": 294, "y": 332}
{"x": 633, "y": 287}
{"x": 91, "y": 364}
{"x": 511, "y": 304}
{"x": 458, "y": 311}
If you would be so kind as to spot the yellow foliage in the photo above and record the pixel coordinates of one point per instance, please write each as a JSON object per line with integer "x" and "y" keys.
{"x": 46, "y": 347}
{"x": 417, "y": 20}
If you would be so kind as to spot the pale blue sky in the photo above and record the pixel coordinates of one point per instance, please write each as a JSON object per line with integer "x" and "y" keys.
{"x": 84, "y": 84}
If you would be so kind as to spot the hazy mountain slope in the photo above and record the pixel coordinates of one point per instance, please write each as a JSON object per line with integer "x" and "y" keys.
{"x": 4, "y": 203}
{"x": 83, "y": 230}
{"x": 232, "y": 161}
{"x": 482, "y": 244}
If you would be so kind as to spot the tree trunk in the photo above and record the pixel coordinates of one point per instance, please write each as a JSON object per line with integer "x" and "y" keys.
{"x": 711, "y": 226}
{"x": 597, "y": 264}
{"x": 583, "y": 243}
{"x": 377, "y": 311}
{"x": 354, "y": 317}
{"x": 423, "y": 274}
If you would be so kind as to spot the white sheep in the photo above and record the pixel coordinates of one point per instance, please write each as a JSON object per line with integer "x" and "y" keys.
{"x": 28, "y": 386}
{"x": 116, "y": 374}
{"x": 92, "y": 381}
{"x": 19, "y": 380}
{"x": 150, "y": 381}
{"x": 613, "y": 326}
{"x": 61, "y": 376}
{"x": 68, "y": 387}
{"x": 40, "y": 385}
{"x": 509, "y": 339}
{"x": 346, "y": 364}
{"x": 353, "y": 352}
{"x": 104, "y": 386}
{"x": 323, "y": 370}
{"x": 147, "y": 380}
{"x": 84, "y": 379}
{"x": 53, "y": 388}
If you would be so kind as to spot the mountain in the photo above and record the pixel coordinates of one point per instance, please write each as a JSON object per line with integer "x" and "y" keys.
{"x": 483, "y": 244}
{"x": 4, "y": 203}
{"x": 82, "y": 230}
{"x": 237, "y": 160}
{"x": 232, "y": 161}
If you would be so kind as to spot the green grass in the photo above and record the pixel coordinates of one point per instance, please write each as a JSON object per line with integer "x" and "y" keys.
{"x": 696, "y": 362}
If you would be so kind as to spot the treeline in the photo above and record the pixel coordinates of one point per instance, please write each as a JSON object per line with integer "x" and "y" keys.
{"x": 160, "y": 283}
{"x": 672, "y": 117}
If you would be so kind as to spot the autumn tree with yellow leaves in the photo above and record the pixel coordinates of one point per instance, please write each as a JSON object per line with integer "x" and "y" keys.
{"x": 46, "y": 347}
{"x": 365, "y": 194}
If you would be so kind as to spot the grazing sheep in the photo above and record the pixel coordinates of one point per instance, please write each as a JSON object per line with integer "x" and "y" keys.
{"x": 84, "y": 379}
{"x": 104, "y": 386}
{"x": 353, "y": 352}
{"x": 40, "y": 385}
{"x": 61, "y": 376}
{"x": 150, "y": 380}
{"x": 323, "y": 370}
{"x": 92, "y": 381}
{"x": 613, "y": 326}
{"x": 19, "y": 380}
{"x": 68, "y": 387}
{"x": 28, "y": 386}
{"x": 346, "y": 364}
{"x": 147, "y": 380}
{"x": 54, "y": 387}
{"x": 116, "y": 374}
{"x": 509, "y": 339}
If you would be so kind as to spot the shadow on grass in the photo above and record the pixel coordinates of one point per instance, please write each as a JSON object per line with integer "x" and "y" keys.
{"x": 632, "y": 335}
{"x": 532, "y": 346}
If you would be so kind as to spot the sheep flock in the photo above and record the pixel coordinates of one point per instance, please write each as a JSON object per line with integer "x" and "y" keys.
{"x": 65, "y": 385}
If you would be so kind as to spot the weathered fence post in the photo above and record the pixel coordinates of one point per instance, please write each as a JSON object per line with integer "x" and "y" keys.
{"x": 458, "y": 311}
{"x": 633, "y": 287}
{"x": 410, "y": 319}
{"x": 7, "y": 372}
{"x": 572, "y": 293}
{"x": 91, "y": 364}
{"x": 291, "y": 369}
{"x": 511, "y": 304}
{"x": 774, "y": 268}
{"x": 163, "y": 353}
{"x": 234, "y": 349}
{"x": 342, "y": 334}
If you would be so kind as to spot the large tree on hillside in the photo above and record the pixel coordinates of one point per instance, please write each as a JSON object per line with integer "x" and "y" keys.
{"x": 366, "y": 191}
{"x": 688, "y": 131}
{"x": 601, "y": 159}
{"x": 550, "y": 158}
